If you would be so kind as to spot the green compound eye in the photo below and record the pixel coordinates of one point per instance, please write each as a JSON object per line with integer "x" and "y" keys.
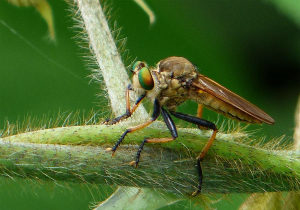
{"x": 145, "y": 79}
{"x": 135, "y": 65}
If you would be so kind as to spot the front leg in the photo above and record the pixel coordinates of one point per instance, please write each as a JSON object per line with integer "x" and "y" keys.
{"x": 156, "y": 113}
{"x": 172, "y": 128}
{"x": 128, "y": 111}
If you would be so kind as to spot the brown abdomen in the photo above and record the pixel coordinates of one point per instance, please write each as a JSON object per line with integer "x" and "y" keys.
{"x": 222, "y": 107}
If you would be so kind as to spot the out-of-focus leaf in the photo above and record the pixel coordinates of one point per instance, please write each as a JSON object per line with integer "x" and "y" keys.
{"x": 128, "y": 198}
{"x": 274, "y": 201}
{"x": 297, "y": 126}
{"x": 44, "y": 9}
{"x": 292, "y": 201}
{"x": 262, "y": 201}
{"x": 290, "y": 8}
{"x": 147, "y": 9}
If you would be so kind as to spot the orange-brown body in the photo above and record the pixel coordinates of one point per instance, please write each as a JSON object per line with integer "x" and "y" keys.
{"x": 173, "y": 81}
{"x": 177, "y": 80}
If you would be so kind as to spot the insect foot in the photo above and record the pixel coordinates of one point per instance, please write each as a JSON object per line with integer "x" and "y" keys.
{"x": 200, "y": 177}
{"x": 133, "y": 163}
{"x": 110, "y": 150}
{"x": 110, "y": 122}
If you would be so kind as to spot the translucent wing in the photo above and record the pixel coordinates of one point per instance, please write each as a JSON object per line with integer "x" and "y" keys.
{"x": 231, "y": 99}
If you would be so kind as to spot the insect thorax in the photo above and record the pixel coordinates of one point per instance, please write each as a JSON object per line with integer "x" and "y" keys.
{"x": 174, "y": 75}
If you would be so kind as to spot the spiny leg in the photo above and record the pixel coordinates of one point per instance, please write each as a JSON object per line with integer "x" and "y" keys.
{"x": 128, "y": 111}
{"x": 202, "y": 123}
{"x": 172, "y": 128}
{"x": 156, "y": 112}
{"x": 200, "y": 178}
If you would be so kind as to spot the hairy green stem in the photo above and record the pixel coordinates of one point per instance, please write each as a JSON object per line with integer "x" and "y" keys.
{"x": 104, "y": 49}
{"x": 77, "y": 154}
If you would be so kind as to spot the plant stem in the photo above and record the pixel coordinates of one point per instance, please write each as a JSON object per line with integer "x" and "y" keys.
{"x": 229, "y": 167}
{"x": 103, "y": 47}
{"x": 77, "y": 154}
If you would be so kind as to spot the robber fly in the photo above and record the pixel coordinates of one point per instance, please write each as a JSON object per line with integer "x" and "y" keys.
{"x": 173, "y": 81}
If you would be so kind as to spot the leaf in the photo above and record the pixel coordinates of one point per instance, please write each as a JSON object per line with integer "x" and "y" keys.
{"x": 147, "y": 9}
{"x": 297, "y": 127}
{"x": 290, "y": 8}
{"x": 131, "y": 198}
{"x": 274, "y": 201}
{"x": 262, "y": 201}
{"x": 44, "y": 9}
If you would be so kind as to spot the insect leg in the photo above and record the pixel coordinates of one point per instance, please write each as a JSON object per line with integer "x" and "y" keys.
{"x": 199, "y": 115}
{"x": 199, "y": 110}
{"x": 200, "y": 177}
{"x": 172, "y": 128}
{"x": 202, "y": 123}
{"x": 128, "y": 111}
{"x": 169, "y": 122}
{"x": 156, "y": 112}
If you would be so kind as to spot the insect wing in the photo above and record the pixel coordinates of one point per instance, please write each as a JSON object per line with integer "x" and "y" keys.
{"x": 208, "y": 85}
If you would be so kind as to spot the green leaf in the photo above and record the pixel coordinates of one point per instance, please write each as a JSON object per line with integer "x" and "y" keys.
{"x": 132, "y": 198}
{"x": 290, "y": 8}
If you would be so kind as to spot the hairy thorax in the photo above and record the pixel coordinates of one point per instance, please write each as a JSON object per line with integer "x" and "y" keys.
{"x": 173, "y": 77}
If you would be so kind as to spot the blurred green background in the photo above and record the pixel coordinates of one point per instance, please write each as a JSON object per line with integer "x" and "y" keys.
{"x": 252, "y": 47}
